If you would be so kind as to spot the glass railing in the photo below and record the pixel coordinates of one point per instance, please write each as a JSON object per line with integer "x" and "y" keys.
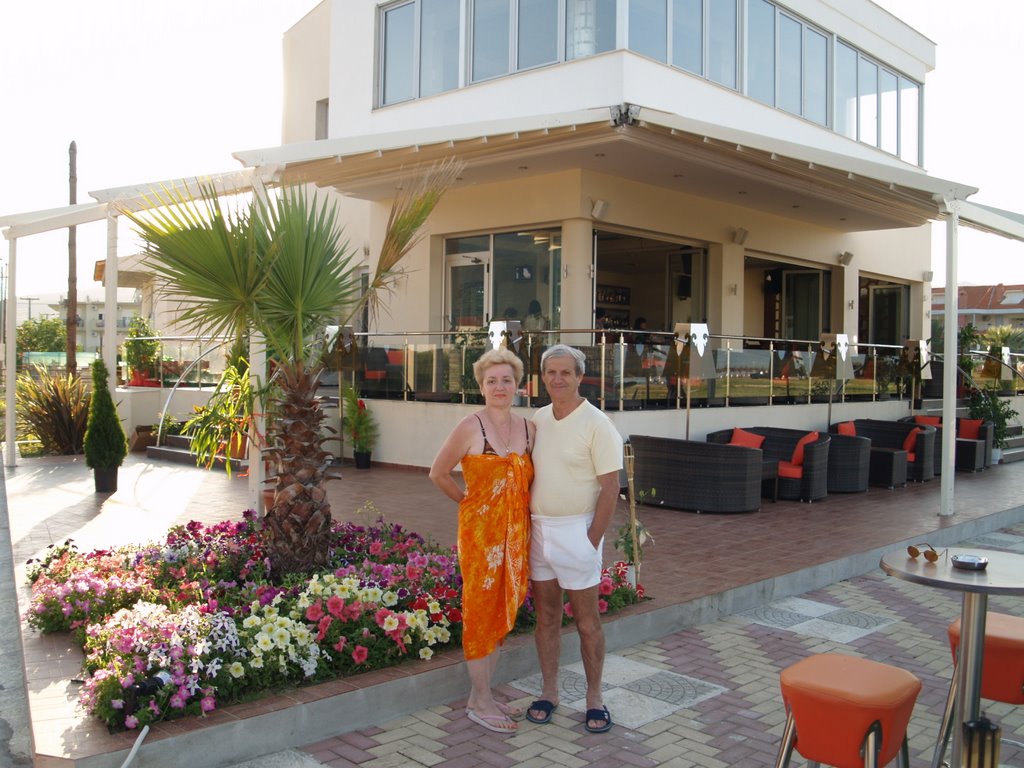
{"x": 624, "y": 370}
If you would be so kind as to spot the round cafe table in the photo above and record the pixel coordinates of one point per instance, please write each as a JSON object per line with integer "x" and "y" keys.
{"x": 1003, "y": 576}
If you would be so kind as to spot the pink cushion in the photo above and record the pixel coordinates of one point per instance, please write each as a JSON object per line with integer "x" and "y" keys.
{"x": 930, "y": 421}
{"x": 790, "y": 470}
{"x": 910, "y": 441}
{"x": 746, "y": 439}
{"x": 969, "y": 428}
{"x": 798, "y": 452}
{"x": 847, "y": 428}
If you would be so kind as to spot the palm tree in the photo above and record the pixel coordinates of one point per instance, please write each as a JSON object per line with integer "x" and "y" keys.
{"x": 279, "y": 268}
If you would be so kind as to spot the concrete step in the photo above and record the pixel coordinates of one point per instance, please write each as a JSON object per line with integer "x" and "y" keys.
{"x": 176, "y": 449}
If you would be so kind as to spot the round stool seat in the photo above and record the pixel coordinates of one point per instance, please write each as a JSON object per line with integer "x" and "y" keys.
{"x": 835, "y": 700}
{"x": 1002, "y": 671}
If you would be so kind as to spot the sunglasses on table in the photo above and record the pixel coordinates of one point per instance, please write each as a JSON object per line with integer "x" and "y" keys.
{"x": 930, "y": 554}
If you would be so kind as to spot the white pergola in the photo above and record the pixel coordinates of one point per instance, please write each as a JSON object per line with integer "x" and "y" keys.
{"x": 878, "y": 195}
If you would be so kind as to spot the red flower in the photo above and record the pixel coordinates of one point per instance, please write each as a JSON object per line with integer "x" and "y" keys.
{"x": 315, "y": 612}
{"x": 359, "y": 654}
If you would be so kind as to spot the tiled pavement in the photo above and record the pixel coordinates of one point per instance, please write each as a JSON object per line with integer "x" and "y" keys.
{"x": 707, "y": 693}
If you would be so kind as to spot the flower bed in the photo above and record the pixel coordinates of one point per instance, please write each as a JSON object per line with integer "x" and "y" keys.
{"x": 194, "y": 623}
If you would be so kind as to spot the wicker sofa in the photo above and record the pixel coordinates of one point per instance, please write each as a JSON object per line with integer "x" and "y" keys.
{"x": 697, "y": 476}
{"x": 849, "y": 464}
{"x": 888, "y": 439}
{"x": 972, "y": 454}
{"x": 779, "y": 445}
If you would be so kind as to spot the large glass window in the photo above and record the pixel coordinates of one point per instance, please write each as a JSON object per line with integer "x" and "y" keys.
{"x": 791, "y": 55}
{"x": 722, "y": 42}
{"x": 439, "y": 46}
{"x": 889, "y": 115}
{"x": 761, "y": 51}
{"x": 589, "y": 27}
{"x": 538, "y": 33}
{"x": 491, "y": 20}
{"x": 648, "y": 28}
{"x": 867, "y": 101}
{"x": 815, "y": 76}
{"x": 399, "y": 44}
{"x": 910, "y": 105}
{"x": 846, "y": 91}
{"x": 688, "y": 35}
{"x": 510, "y": 275}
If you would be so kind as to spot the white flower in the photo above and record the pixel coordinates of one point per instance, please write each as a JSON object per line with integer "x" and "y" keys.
{"x": 281, "y": 637}
{"x": 390, "y": 598}
{"x": 426, "y": 653}
{"x": 371, "y": 595}
{"x": 434, "y": 607}
{"x": 390, "y": 623}
{"x": 264, "y": 642}
{"x": 213, "y": 666}
{"x": 236, "y": 669}
{"x": 256, "y": 662}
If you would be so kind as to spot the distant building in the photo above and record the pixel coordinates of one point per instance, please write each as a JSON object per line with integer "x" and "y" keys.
{"x": 91, "y": 317}
{"x": 984, "y": 306}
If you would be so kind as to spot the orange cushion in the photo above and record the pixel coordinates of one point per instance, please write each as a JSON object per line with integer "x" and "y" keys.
{"x": 834, "y": 699}
{"x": 396, "y": 356}
{"x": 1002, "y": 670}
{"x": 969, "y": 428}
{"x": 847, "y": 428}
{"x": 790, "y": 470}
{"x": 931, "y": 421}
{"x": 910, "y": 441}
{"x": 798, "y": 452}
{"x": 746, "y": 439}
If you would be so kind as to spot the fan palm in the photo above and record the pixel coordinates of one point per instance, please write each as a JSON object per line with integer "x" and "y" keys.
{"x": 279, "y": 268}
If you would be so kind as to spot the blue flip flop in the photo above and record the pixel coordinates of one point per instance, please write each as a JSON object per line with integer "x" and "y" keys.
{"x": 598, "y": 714}
{"x": 541, "y": 705}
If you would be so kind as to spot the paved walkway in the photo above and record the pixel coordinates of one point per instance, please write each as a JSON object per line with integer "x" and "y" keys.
{"x": 693, "y": 675}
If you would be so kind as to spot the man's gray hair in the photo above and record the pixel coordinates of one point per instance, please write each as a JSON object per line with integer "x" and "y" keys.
{"x": 564, "y": 350}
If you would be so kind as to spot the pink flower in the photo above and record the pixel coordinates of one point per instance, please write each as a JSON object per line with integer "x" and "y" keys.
{"x": 605, "y": 587}
{"x": 602, "y": 606}
{"x": 131, "y": 721}
{"x": 340, "y": 645}
{"x": 322, "y": 627}
{"x": 315, "y": 612}
{"x": 335, "y": 606}
{"x": 568, "y": 609}
{"x": 207, "y": 704}
{"x": 359, "y": 654}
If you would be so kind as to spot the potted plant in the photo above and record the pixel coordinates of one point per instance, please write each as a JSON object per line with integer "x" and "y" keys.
{"x": 630, "y": 546}
{"x": 360, "y": 427}
{"x": 989, "y": 406}
{"x": 105, "y": 443}
{"x": 967, "y": 338}
{"x": 141, "y": 351}
{"x": 220, "y": 429}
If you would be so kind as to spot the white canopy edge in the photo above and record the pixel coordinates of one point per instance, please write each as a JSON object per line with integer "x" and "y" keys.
{"x": 993, "y": 220}
{"x": 308, "y": 151}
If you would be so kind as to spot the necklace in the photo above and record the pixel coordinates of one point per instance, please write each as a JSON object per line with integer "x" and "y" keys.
{"x": 508, "y": 433}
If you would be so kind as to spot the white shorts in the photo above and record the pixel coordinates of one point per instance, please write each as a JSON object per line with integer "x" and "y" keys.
{"x": 560, "y": 549}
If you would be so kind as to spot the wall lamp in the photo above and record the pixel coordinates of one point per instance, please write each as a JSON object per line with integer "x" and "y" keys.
{"x": 739, "y": 235}
{"x": 600, "y": 209}
{"x": 845, "y": 258}
{"x": 927, "y": 276}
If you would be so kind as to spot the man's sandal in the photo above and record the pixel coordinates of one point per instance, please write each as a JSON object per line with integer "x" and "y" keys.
{"x": 599, "y": 715}
{"x": 541, "y": 705}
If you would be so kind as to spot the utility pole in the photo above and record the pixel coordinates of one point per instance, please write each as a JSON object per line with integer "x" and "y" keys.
{"x": 72, "y": 316}
{"x": 29, "y": 299}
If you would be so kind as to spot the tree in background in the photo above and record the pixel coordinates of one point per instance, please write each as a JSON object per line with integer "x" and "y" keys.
{"x": 45, "y": 334}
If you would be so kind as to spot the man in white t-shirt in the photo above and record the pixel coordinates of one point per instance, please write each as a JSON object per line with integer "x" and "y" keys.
{"x": 577, "y": 459}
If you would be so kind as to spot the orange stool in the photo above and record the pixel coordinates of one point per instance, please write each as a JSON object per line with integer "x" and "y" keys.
{"x": 1002, "y": 668}
{"x": 846, "y": 712}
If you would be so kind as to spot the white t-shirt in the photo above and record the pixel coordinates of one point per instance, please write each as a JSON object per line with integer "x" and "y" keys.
{"x": 568, "y": 457}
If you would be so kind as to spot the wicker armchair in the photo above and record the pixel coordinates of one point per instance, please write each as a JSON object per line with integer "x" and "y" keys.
{"x": 971, "y": 455}
{"x": 849, "y": 464}
{"x": 889, "y": 436}
{"x": 778, "y": 445}
{"x": 697, "y": 476}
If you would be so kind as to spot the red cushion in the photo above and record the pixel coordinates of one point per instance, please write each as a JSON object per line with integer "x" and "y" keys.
{"x": 969, "y": 428}
{"x": 746, "y": 439}
{"x": 798, "y": 452}
{"x": 910, "y": 441}
{"x": 790, "y": 470}
{"x": 847, "y": 428}
{"x": 396, "y": 356}
{"x": 930, "y": 421}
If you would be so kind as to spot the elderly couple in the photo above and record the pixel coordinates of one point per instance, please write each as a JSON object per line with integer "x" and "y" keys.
{"x": 516, "y": 525}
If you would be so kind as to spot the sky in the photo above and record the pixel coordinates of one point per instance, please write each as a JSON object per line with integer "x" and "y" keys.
{"x": 154, "y": 89}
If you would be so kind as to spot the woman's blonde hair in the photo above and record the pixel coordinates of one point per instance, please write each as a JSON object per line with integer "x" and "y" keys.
{"x": 492, "y": 357}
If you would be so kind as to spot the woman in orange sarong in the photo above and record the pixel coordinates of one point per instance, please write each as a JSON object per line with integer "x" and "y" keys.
{"x": 493, "y": 446}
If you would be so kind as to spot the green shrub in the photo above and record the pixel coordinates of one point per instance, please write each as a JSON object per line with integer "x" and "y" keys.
{"x": 105, "y": 441}
{"x": 54, "y": 409}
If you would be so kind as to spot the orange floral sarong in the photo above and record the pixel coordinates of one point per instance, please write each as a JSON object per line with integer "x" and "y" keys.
{"x": 494, "y": 541}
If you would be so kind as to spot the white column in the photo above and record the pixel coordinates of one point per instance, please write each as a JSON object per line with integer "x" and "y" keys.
{"x": 10, "y": 359}
{"x": 948, "y": 447}
{"x": 110, "y": 304}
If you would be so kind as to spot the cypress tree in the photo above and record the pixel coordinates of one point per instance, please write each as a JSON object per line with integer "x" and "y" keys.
{"x": 105, "y": 442}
